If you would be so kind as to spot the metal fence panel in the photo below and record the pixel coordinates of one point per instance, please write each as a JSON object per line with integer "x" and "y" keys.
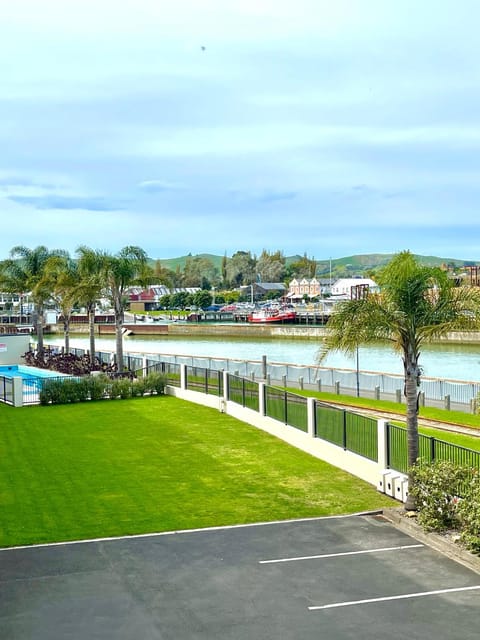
{"x": 276, "y": 404}
{"x": 6, "y": 390}
{"x": 297, "y": 411}
{"x": 330, "y": 424}
{"x": 204, "y": 380}
{"x": 361, "y": 435}
{"x": 243, "y": 391}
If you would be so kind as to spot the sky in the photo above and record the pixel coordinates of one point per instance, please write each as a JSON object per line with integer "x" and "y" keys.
{"x": 326, "y": 128}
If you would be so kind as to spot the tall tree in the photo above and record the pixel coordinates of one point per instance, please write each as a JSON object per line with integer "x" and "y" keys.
{"x": 61, "y": 278}
{"x": 271, "y": 266}
{"x": 415, "y": 305}
{"x": 23, "y": 273}
{"x": 90, "y": 265}
{"x": 241, "y": 268}
{"x": 119, "y": 272}
{"x": 304, "y": 267}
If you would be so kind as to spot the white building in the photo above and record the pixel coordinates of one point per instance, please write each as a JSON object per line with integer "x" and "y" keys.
{"x": 344, "y": 288}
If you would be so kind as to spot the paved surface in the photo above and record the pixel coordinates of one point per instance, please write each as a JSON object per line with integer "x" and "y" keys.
{"x": 333, "y": 578}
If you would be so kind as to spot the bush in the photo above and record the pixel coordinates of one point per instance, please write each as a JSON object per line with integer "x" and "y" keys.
{"x": 65, "y": 390}
{"x": 121, "y": 388}
{"x": 436, "y": 488}
{"x": 469, "y": 515}
{"x": 155, "y": 382}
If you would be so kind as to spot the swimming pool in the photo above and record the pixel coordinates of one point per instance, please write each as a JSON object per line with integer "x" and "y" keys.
{"x": 26, "y": 372}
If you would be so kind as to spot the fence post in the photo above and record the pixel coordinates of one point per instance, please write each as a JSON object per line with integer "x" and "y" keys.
{"x": 300, "y": 382}
{"x": 261, "y": 398}
{"x": 183, "y": 376}
{"x": 421, "y": 398}
{"x": 284, "y": 380}
{"x": 285, "y": 407}
{"x": 473, "y": 405}
{"x": 17, "y": 388}
{"x": 319, "y": 385}
{"x": 264, "y": 367}
{"x": 311, "y": 426}
{"x": 377, "y": 393}
{"x": 382, "y": 444}
{"x": 398, "y": 396}
{"x": 446, "y": 401}
{"x": 337, "y": 388}
{"x": 344, "y": 436}
{"x": 225, "y": 385}
{"x": 268, "y": 379}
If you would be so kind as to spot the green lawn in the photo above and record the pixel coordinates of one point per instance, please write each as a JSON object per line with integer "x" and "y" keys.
{"x": 154, "y": 464}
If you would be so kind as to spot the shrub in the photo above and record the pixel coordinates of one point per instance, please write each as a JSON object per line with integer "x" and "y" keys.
{"x": 469, "y": 516}
{"x": 155, "y": 382}
{"x": 121, "y": 388}
{"x": 97, "y": 386}
{"x": 436, "y": 487}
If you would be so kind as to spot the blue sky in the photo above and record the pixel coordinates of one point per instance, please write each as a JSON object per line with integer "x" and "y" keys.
{"x": 309, "y": 126}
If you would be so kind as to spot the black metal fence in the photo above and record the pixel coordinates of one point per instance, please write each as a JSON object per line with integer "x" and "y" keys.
{"x": 351, "y": 431}
{"x": 243, "y": 391}
{"x": 6, "y": 390}
{"x": 286, "y": 407}
{"x": 430, "y": 449}
{"x": 169, "y": 370}
{"x": 204, "y": 380}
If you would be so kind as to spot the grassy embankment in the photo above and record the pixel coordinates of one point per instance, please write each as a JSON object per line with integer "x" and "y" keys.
{"x": 122, "y": 467}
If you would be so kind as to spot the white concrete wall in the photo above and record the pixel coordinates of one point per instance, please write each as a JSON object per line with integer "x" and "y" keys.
{"x": 12, "y": 348}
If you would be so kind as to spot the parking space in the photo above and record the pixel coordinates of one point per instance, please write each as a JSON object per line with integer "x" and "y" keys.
{"x": 346, "y": 577}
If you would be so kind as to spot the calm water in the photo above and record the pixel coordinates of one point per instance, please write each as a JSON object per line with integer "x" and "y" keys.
{"x": 454, "y": 361}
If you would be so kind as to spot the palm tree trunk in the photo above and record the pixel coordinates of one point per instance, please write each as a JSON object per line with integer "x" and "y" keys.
{"x": 91, "y": 331}
{"x": 412, "y": 376}
{"x": 119, "y": 336}
{"x": 66, "y": 334}
{"x": 40, "y": 329}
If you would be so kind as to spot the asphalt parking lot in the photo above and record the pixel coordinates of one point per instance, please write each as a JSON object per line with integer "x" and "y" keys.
{"x": 334, "y": 578}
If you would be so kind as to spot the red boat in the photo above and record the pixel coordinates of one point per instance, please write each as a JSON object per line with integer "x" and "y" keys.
{"x": 269, "y": 315}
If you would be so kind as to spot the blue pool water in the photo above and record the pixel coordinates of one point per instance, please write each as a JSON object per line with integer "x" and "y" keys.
{"x": 25, "y": 372}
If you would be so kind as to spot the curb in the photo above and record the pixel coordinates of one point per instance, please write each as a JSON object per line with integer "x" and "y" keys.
{"x": 445, "y": 546}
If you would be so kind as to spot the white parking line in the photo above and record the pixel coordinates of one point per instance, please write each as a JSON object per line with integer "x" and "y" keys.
{"x": 344, "y": 553}
{"x": 404, "y": 596}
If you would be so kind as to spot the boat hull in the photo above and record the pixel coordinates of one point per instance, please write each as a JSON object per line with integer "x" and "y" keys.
{"x": 272, "y": 318}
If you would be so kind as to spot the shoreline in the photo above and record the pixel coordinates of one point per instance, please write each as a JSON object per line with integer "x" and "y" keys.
{"x": 236, "y": 330}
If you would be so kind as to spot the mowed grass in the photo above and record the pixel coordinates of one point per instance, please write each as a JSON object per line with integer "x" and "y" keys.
{"x": 154, "y": 464}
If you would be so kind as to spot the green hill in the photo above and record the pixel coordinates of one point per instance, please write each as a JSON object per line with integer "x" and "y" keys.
{"x": 349, "y": 265}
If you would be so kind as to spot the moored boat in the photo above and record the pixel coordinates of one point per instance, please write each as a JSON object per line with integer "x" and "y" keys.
{"x": 269, "y": 315}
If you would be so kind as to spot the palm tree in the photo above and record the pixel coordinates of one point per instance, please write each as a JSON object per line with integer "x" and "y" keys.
{"x": 90, "y": 265}
{"x": 23, "y": 272}
{"x": 61, "y": 277}
{"x": 416, "y": 304}
{"x": 119, "y": 272}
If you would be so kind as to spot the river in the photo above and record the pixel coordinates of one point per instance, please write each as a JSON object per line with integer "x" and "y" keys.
{"x": 449, "y": 361}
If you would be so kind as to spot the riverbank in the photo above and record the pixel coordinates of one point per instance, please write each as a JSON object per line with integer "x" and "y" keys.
{"x": 236, "y": 331}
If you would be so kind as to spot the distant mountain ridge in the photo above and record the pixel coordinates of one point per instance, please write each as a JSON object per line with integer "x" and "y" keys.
{"x": 356, "y": 264}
